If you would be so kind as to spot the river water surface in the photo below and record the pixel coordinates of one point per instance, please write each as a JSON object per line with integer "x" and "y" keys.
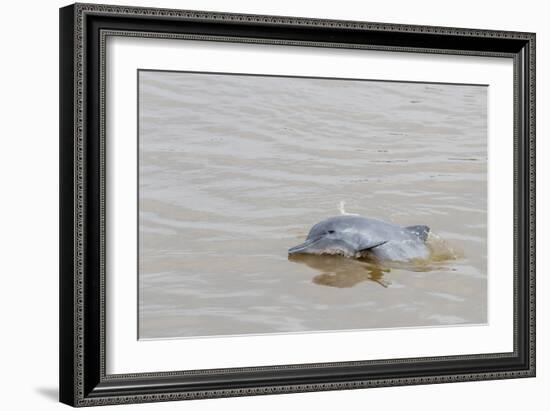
{"x": 234, "y": 170}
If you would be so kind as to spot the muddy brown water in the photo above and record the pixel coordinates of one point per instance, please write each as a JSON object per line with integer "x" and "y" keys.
{"x": 234, "y": 170}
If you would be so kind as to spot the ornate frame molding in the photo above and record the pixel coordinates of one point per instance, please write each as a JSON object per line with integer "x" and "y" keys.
{"x": 82, "y": 338}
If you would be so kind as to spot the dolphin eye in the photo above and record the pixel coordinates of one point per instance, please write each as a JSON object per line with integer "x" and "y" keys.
{"x": 331, "y": 231}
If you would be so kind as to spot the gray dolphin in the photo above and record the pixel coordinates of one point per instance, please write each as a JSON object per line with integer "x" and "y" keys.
{"x": 355, "y": 236}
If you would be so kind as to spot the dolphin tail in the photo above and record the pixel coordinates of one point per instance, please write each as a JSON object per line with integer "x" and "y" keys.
{"x": 421, "y": 231}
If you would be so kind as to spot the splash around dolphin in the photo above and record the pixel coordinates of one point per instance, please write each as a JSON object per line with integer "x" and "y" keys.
{"x": 355, "y": 236}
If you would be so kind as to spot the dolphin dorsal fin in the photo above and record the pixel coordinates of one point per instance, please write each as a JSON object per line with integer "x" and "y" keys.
{"x": 421, "y": 231}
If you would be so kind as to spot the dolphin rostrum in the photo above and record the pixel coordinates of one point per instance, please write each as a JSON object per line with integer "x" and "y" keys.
{"x": 356, "y": 236}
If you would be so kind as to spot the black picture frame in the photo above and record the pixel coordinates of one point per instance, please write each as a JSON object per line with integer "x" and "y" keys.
{"x": 83, "y": 380}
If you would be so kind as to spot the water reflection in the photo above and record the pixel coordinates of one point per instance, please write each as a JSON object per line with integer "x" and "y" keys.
{"x": 341, "y": 272}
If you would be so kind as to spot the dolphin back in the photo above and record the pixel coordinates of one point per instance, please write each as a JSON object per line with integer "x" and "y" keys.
{"x": 421, "y": 231}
